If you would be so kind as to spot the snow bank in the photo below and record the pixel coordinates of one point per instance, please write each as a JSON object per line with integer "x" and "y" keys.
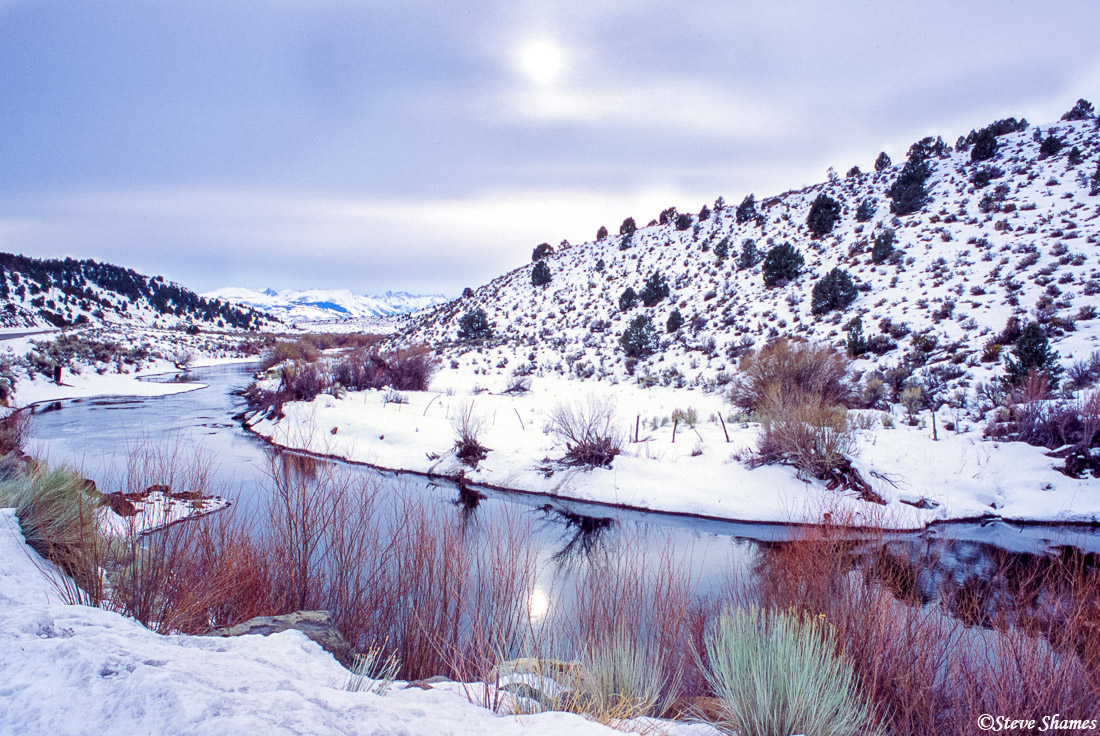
{"x": 700, "y": 472}
{"x": 77, "y": 670}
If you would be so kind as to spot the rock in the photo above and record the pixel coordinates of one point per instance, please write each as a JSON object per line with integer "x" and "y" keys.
{"x": 427, "y": 683}
{"x": 317, "y": 625}
{"x": 119, "y": 504}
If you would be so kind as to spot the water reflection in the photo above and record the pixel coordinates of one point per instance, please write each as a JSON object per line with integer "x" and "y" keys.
{"x": 585, "y": 535}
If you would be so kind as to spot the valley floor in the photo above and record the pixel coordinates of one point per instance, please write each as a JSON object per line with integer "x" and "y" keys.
{"x": 687, "y": 469}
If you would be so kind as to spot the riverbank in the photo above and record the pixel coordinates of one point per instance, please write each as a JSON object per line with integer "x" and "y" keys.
{"x": 75, "y": 669}
{"x": 682, "y": 454}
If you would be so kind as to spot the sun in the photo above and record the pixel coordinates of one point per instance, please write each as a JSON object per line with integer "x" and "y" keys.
{"x": 542, "y": 60}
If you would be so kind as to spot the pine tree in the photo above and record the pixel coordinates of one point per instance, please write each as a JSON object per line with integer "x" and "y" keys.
{"x": 1032, "y": 353}
{"x": 867, "y": 209}
{"x": 722, "y": 249}
{"x": 628, "y": 227}
{"x": 782, "y": 263}
{"x": 474, "y": 325}
{"x": 675, "y": 321}
{"x": 540, "y": 274}
{"x": 655, "y": 289}
{"x": 882, "y": 162}
{"x": 834, "y": 290}
{"x": 640, "y": 338}
{"x": 985, "y": 146}
{"x": 883, "y": 247}
{"x": 746, "y": 211}
{"x": 601, "y": 233}
{"x": 749, "y": 257}
{"x": 627, "y": 299}
{"x": 824, "y": 214}
{"x": 1081, "y": 111}
{"x": 856, "y": 343}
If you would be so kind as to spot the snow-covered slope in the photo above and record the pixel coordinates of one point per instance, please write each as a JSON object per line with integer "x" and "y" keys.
{"x": 1024, "y": 244}
{"x": 60, "y": 293}
{"x": 325, "y": 305}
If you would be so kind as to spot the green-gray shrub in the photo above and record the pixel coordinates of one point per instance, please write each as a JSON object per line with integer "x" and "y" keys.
{"x": 779, "y": 674}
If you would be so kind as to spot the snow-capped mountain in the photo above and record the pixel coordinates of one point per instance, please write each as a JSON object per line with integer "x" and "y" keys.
{"x": 326, "y": 305}
{"x": 1011, "y": 230}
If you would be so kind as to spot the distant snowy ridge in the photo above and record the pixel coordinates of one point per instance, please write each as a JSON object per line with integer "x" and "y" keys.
{"x": 326, "y": 305}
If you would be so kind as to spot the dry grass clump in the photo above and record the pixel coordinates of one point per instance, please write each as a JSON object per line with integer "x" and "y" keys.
{"x": 589, "y": 430}
{"x": 799, "y": 392}
{"x": 798, "y": 430}
{"x": 13, "y": 433}
{"x": 468, "y": 426}
{"x": 57, "y": 513}
{"x": 787, "y": 368}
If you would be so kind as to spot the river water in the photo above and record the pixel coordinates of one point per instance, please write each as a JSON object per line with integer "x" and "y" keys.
{"x": 97, "y": 434}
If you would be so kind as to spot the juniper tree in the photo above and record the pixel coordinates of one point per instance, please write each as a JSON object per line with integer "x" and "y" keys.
{"x": 601, "y": 233}
{"x": 675, "y": 321}
{"x": 824, "y": 214}
{"x": 866, "y": 210}
{"x": 782, "y": 263}
{"x": 834, "y": 290}
{"x": 1081, "y": 111}
{"x": 628, "y": 227}
{"x": 474, "y": 325}
{"x": 722, "y": 249}
{"x": 640, "y": 338}
{"x": 1032, "y": 353}
{"x": 540, "y": 274}
{"x": 627, "y": 299}
{"x": 882, "y": 162}
{"x": 749, "y": 257}
{"x": 883, "y": 247}
{"x": 985, "y": 146}
{"x": 655, "y": 289}
{"x": 746, "y": 211}
{"x": 855, "y": 344}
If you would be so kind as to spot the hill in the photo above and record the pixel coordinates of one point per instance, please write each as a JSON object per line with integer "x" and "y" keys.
{"x": 1002, "y": 225}
{"x": 62, "y": 293}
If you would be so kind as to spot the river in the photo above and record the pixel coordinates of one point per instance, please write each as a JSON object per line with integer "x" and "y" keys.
{"x": 97, "y": 434}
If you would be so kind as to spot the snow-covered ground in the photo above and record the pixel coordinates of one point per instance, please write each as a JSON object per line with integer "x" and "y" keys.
{"x": 698, "y": 471}
{"x": 67, "y": 669}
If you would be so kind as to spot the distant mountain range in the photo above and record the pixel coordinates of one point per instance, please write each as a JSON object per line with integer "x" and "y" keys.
{"x": 326, "y": 305}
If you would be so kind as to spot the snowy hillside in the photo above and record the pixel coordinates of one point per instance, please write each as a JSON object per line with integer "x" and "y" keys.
{"x": 56, "y": 293}
{"x": 326, "y": 305}
{"x": 1015, "y": 234}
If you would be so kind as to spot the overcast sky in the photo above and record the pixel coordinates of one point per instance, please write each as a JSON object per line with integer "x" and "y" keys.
{"x": 426, "y": 146}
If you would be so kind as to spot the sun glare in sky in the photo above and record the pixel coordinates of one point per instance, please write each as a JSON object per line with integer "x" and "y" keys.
{"x": 542, "y": 60}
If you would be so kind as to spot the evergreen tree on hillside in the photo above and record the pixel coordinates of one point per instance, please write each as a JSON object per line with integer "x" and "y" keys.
{"x": 908, "y": 194}
{"x": 883, "y": 247}
{"x": 675, "y": 321}
{"x": 1032, "y": 353}
{"x": 542, "y": 250}
{"x": 866, "y": 210}
{"x": 683, "y": 221}
{"x": 746, "y": 211}
{"x": 627, "y": 299}
{"x": 640, "y": 338}
{"x": 474, "y": 325}
{"x": 1081, "y": 111}
{"x": 834, "y": 290}
{"x": 722, "y": 249}
{"x": 628, "y": 227}
{"x": 824, "y": 214}
{"x": 540, "y": 274}
{"x": 882, "y": 162}
{"x": 1050, "y": 146}
{"x": 601, "y": 233}
{"x": 655, "y": 289}
{"x": 855, "y": 343}
{"x": 750, "y": 256}
{"x": 985, "y": 146}
{"x": 782, "y": 263}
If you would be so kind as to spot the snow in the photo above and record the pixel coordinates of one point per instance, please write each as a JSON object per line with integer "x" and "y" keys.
{"x": 67, "y": 669}
{"x": 698, "y": 473}
{"x": 157, "y": 510}
{"x": 326, "y": 305}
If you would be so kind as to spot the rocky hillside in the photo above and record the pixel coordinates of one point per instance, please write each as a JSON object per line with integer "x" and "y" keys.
{"x": 40, "y": 293}
{"x": 933, "y": 254}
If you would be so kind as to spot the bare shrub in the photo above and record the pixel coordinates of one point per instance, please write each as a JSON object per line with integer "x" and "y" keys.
{"x": 789, "y": 367}
{"x": 13, "y": 433}
{"x": 468, "y": 426}
{"x": 589, "y": 432}
{"x": 799, "y": 430}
